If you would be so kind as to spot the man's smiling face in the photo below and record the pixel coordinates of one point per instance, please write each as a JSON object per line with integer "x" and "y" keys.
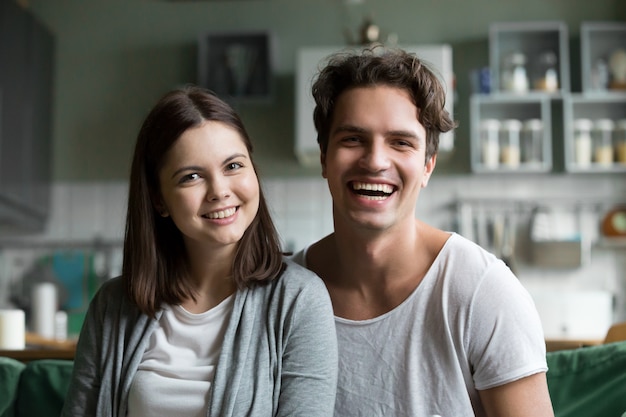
{"x": 375, "y": 161}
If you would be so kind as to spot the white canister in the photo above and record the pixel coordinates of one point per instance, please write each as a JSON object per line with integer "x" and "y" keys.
{"x": 603, "y": 142}
{"x": 12, "y": 329}
{"x": 510, "y": 142}
{"x": 582, "y": 142}
{"x": 43, "y": 309}
{"x": 489, "y": 143}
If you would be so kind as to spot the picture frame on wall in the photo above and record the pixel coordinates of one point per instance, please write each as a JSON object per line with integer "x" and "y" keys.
{"x": 237, "y": 66}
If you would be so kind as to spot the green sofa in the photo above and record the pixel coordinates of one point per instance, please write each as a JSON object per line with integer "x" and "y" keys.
{"x": 585, "y": 382}
{"x": 36, "y": 388}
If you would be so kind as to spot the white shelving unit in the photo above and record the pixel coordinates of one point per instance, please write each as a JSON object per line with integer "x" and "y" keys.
{"x": 598, "y": 99}
{"x": 523, "y": 108}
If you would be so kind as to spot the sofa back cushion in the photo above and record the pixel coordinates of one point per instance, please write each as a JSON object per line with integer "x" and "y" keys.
{"x": 10, "y": 372}
{"x": 589, "y": 381}
{"x": 43, "y": 386}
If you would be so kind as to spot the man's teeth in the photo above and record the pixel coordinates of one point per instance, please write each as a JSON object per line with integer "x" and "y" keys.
{"x": 383, "y": 188}
{"x": 222, "y": 213}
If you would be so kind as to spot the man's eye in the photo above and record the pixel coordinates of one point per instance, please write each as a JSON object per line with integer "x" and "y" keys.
{"x": 351, "y": 139}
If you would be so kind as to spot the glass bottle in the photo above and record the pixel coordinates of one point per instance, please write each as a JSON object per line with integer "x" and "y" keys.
{"x": 582, "y": 142}
{"x": 489, "y": 143}
{"x": 546, "y": 74}
{"x": 620, "y": 141}
{"x": 514, "y": 76}
{"x": 603, "y": 141}
{"x": 510, "y": 142}
{"x": 532, "y": 142}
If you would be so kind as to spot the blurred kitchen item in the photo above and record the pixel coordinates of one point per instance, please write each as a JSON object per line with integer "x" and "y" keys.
{"x": 489, "y": 140}
{"x": 514, "y": 76}
{"x": 582, "y": 142}
{"x": 60, "y": 325}
{"x": 574, "y": 314}
{"x": 546, "y": 76}
{"x": 600, "y": 75}
{"x": 509, "y": 238}
{"x": 603, "y": 141}
{"x": 556, "y": 240}
{"x": 614, "y": 222}
{"x": 620, "y": 141}
{"x": 75, "y": 272}
{"x": 44, "y": 304}
{"x": 12, "y": 329}
{"x": 480, "y": 80}
{"x": 532, "y": 141}
{"x": 617, "y": 68}
{"x": 510, "y": 142}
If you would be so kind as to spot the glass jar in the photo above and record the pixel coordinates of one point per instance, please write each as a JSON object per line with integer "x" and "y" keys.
{"x": 603, "y": 141}
{"x": 582, "y": 142}
{"x": 546, "y": 76}
{"x": 620, "y": 141}
{"x": 510, "y": 142}
{"x": 514, "y": 77}
{"x": 532, "y": 142}
{"x": 489, "y": 146}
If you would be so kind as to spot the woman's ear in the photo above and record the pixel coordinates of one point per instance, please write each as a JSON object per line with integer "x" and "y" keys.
{"x": 160, "y": 208}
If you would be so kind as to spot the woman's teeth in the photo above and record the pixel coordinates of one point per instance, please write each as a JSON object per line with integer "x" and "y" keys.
{"x": 222, "y": 213}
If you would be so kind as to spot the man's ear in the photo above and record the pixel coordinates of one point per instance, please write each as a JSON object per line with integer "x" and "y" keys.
{"x": 323, "y": 162}
{"x": 429, "y": 167}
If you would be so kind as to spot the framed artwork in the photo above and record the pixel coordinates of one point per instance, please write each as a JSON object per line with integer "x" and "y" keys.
{"x": 236, "y": 65}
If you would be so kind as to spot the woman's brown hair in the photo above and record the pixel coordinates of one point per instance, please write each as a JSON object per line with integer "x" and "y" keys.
{"x": 154, "y": 266}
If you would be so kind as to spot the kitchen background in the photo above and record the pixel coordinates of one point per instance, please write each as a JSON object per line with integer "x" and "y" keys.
{"x": 114, "y": 58}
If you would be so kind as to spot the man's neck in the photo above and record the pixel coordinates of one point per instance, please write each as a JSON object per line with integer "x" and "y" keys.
{"x": 370, "y": 275}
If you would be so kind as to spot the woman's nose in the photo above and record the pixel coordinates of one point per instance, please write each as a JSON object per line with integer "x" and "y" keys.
{"x": 217, "y": 189}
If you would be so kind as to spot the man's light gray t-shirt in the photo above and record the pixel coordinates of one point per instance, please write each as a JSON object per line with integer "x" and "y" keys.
{"x": 469, "y": 325}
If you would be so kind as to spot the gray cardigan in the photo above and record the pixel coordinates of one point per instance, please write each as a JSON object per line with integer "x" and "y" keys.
{"x": 278, "y": 358}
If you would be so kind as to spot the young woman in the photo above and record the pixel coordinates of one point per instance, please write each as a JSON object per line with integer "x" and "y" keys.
{"x": 208, "y": 317}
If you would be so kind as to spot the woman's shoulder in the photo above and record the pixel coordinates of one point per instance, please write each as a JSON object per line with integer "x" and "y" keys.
{"x": 111, "y": 291}
{"x": 296, "y": 279}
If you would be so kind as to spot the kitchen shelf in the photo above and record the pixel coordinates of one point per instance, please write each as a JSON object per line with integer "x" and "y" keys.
{"x": 532, "y": 41}
{"x": 507, "y": 107}
{"x": 599, "y": 41}
{"x": 592, "y": 107}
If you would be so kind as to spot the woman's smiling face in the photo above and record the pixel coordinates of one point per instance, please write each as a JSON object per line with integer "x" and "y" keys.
{"x": 208, "y": 185}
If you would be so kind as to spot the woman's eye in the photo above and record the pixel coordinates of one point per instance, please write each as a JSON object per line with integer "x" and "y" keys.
{"x": 189, "y": 177}
{"x": 233, "y": 165}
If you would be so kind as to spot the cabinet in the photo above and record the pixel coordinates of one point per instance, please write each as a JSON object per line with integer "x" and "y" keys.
{"x": 494, "y": 117}
{"x": 309, "y": 60}
{"x": 26, "y": 67}
{"x": 540, "y": 88}
{"x": 601, "y": 102}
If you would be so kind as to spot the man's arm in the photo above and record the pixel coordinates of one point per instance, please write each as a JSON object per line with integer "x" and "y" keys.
{"x": 526, "y": 397}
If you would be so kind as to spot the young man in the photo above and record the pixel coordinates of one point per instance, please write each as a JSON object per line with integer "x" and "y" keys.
{"x": 428, "y": 322}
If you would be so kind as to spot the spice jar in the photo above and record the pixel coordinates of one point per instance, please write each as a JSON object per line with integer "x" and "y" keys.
{"x": 620, "y": 141}
{"x": 546, "y": 76}
{"x": 514, "y": 77}
{"x": 510, "y": 142}
{"x": 603, "y": 141}
{"x": 582, "y": 142}
{"x": 490, "y": 148}
{"x": 532, "y": 142}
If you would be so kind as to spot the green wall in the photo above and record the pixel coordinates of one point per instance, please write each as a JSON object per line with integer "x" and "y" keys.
{"x": 116, "y": 57}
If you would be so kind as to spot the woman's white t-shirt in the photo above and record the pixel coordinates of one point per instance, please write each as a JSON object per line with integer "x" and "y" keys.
{"x": 177, "y": 368}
